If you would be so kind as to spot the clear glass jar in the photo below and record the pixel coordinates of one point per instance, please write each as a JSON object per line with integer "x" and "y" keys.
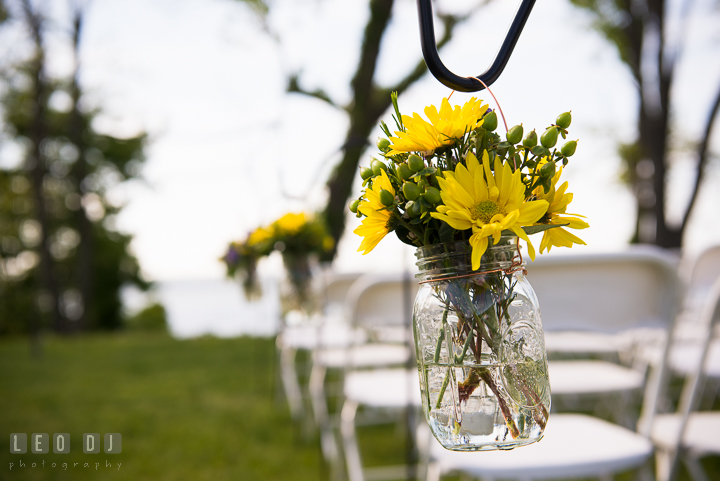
{"x": 298, "y": 292}
{"x": 480, "y": 348}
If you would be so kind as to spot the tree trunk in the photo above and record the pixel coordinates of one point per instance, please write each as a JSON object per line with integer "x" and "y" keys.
{"x": 38, "y": 131}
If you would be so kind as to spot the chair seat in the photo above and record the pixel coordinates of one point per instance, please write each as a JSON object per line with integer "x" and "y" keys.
{"x": 364, "y": 355}
{"x": 574, "y": 446}
{"x": 685, "y": 357}
{"x": 330, "y": 335}
{"x": 383, "y": 388}
{"x": 591, "y": 377}
{"x": 702, "y": 433}
{"x": 577, "y": 342}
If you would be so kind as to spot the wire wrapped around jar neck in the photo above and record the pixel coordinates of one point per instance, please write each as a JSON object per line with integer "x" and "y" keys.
{"x": 516, "y": 265}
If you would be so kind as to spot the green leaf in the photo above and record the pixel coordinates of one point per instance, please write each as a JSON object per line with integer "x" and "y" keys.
{"x": 534, "y": 229}
{"x": 402, "y": 233}
{"x": 446, "y": 232}
{"x": 540, "y": 151}
{"x": 425, "y": 171}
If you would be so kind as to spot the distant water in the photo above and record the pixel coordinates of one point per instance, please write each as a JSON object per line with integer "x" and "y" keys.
{"x": 217, "y": 307}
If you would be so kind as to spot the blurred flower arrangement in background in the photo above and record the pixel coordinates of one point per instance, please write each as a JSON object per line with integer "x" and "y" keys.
{"x": 300, "y": 238}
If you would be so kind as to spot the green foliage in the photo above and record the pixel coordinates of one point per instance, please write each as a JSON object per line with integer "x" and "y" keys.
{"x": 62, "y": 264}
{"x": 152, "y": 318}
{"x": 613, "y": 19}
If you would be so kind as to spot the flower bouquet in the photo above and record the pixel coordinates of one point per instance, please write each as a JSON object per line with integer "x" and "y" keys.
{"x": 298, "y": 237}
{"x": 465, "y": 196}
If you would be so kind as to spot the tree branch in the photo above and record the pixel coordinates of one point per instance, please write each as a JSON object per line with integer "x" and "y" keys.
{"x": 703, "y": 156}
{"x": 449, "y": 23}
{"x": 294, "y": 87}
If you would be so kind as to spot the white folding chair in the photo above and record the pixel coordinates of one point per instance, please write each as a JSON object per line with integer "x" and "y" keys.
{"x": 327, "y": 329}
{"x": 698, "y": 274}
{"x": 379, "y": 306}
{"x": 605, "y": 305}
{"x": 604, "y": 293}
{"x": 377, "y": 389}
{"x": 689, "y": 434}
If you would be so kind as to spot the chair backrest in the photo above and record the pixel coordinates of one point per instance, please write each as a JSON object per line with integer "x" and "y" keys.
{"x": 377, "y": 300}
{"x": 694, "y": 383}
{"x": 335, "y": 290}
{"x": 698, "y": 274}
{"x": 607, "y": 292}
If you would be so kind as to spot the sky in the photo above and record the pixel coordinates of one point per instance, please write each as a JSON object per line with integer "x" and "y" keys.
{"x": 231, "y": 150}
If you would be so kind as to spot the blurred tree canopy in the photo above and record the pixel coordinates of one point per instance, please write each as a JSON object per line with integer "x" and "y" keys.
{"x": 62, "y": 264}
{"x": 650, "y": 40}
{"x": 369, "y": 102}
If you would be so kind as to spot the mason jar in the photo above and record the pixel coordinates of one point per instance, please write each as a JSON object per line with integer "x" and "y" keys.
{"x": 480, "y": 348}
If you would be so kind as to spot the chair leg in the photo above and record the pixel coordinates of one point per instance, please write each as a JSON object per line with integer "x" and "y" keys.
{"x": 290, "y": 382}
{"x": 697, "y": 473}
{"x": 350, "y": 442}
{"x": 433, "y": 471}
{"x": 321, "y": 414}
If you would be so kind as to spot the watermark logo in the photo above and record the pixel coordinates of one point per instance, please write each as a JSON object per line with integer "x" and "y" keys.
{"x": 40, "y": 443}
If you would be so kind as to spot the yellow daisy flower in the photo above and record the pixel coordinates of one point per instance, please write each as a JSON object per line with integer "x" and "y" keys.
{"x": 475, "y": 197}
{"x": 558, "y": 201}
{"x": 258, "y": 236}
{"x": 444, "y": 127}
{"x": 377, "y": 223}
{"x": 290, "y": 223}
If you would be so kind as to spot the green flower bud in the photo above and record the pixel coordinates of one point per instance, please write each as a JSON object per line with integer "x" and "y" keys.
{"x": 415, "y": 163}
{"x": 563, "y": 120}
{"x": 569, "y": 148}
{"x": 411, "y": 191}
{"x": 366, "y": 173}
{"x": 549, "y": 138}
{"x": 432, "y": 195}
{"x": 383, "y": 144}
{"x": 354, "y": 206}
{"x": 515, "y": 134}
{"x": 530, "y": 140}
{"x": 490, "y": 122}
{"x": 547, "y": 170}
{"x": 404, "y": 171}
{"x": 377, "y": 166}
{"x": 413, "y": 209}
{"x": 386, "y": 197}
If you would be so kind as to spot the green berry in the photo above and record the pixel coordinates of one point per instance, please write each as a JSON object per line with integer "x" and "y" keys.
{"x": 404, "y": 171}
{"x": 432, "y": 195}
{"x": 413, "y": 209}
{"x": 515, "y": 134}
{"x": 547, "y": 170}
{"x": 386, "y": 197}
{"x": 530, "y": 140}
{"x": 377, "y": 166}
{"x": 366, "y": 173}
{"x": 563, "y": 120}
{"x": 490, "y": 122}
{"x": 354, "y": 206}
{"x": 549, "y": 138}
{"x": 569, "y": 148}
{"x": 411, "y": 191}
{"x": 415, "y": 163}
{"x": 383, "y": 144}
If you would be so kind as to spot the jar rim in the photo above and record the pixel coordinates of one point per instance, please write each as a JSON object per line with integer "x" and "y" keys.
{"x": 450, "y": 259}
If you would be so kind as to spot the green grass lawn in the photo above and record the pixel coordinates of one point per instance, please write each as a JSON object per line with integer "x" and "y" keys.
{"x": 200, "y": 409}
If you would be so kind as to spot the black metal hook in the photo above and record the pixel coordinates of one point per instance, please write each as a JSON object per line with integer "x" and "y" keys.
{"x": 468, "y": 84}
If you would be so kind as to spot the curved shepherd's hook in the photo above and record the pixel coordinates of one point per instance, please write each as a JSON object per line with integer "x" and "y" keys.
{"x": 468, "y": 84}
